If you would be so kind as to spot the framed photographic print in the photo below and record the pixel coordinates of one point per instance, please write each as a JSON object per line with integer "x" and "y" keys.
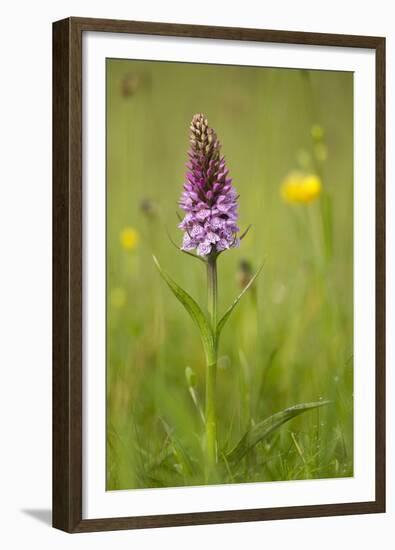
{"x": 218, "y": 274}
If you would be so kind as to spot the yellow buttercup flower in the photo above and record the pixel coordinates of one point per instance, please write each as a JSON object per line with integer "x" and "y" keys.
{"x": 129, "y": 238}
{"x": 301, "y": 188}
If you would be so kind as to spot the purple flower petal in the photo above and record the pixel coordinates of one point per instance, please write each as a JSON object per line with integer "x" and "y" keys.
{"x": 188, "y": 243}
{"x": 209, "y": 199}
{"x": 204, "y": 249}
{"x": 203, "y": 214}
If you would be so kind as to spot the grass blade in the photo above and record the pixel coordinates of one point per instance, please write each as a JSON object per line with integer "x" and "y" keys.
{"x": 178, "y": 450}
{"x": 194, "y": 311}
{"x": 265, "y": 428}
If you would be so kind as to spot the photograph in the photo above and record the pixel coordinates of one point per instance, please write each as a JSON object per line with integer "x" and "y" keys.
{"x": 195, "y": 332}
{"x": 229, "y": 274}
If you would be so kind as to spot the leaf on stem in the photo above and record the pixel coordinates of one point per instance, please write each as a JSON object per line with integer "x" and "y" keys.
{"x": 227, "y": 313}
{"x": 194, "y": 311}
{"x": 245, "y": 232}
{"x": 265, "y": 428}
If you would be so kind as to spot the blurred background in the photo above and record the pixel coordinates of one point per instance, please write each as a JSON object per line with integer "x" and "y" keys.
{"x": 288, "y": 139}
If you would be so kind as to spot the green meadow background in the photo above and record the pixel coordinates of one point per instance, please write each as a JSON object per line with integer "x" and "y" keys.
{"x": 290, "y": 340}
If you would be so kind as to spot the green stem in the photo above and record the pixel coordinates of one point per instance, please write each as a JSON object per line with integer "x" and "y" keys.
{"x": 212, "y": 290}
{"x": 211, "y": 422}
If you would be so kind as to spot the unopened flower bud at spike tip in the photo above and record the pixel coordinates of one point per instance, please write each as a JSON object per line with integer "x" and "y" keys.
{"x": 209, "y": 200}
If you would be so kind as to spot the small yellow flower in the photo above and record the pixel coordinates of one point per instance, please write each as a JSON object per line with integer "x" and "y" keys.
{"x": 301, "y": 188}
{"x": 129, "y": 238}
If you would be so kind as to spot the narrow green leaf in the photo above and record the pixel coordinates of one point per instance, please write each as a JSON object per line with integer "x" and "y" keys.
{"x": 227, "y": 313}
{"x": 194, "y": 311}
{"x": 265, "y": 428}
{"x": 245, "y": 232}
{"x": 190, "y": 375}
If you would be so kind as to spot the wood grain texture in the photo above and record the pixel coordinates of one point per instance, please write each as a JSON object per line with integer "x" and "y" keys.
{"x": 225, "y": 33}
{"x": 60, "y": 211}
{"x": 380, "y": 277}
{"x": 67, "y": 277}
{"x": 68, "y": 272}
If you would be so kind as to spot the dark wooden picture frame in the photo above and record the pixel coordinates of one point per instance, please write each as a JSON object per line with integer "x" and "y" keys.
{"x": 68, "y": 269}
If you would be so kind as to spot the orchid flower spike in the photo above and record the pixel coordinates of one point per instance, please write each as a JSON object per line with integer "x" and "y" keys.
{"x": 209, "y": 200}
